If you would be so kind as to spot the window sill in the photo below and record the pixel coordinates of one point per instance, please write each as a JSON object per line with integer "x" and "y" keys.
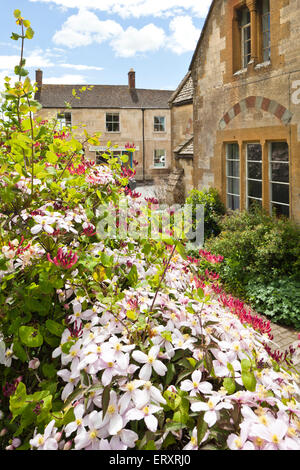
{"x": 263, "y": 65}
{"x": 158, "y": 168}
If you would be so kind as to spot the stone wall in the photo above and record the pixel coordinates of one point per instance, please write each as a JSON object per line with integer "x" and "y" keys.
{"x": 258, "y": 104}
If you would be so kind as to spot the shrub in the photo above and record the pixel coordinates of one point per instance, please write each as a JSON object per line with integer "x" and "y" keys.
{"x": 255, "y": 244}
{"x": 213, "y": 209}
{"x": 279, "y": 300}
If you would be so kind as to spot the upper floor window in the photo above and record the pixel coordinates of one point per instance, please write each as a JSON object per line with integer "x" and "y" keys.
{"x": 245, "y": 24}
{"x": 112, "y": 122}
{"x": 64, "y": 120}
{"x": 159, "y": 124}
{"x": 266, "y": 30}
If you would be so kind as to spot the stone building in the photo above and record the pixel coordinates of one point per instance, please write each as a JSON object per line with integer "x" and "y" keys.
{"x": 246, "y": 99}
{"x": 181, "y": 105}
{"x": 123, "y": 114}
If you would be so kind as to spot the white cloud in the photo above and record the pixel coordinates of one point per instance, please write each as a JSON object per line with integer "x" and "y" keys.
{"x": 184, "y": 35}
{"x": 138, "y": 8}
{"x": 35, "y": 59}
{"x": 67, "y": 79}
{"x": 84, "y": 28}
{"x": 132, "y": 41}
{"x": 79, "y": 67}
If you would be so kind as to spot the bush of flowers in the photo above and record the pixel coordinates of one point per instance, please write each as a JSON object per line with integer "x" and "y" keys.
{"x": 118, "y": 343}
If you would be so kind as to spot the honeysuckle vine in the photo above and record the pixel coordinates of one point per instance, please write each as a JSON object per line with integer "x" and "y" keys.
{"x": 111, "y": 343}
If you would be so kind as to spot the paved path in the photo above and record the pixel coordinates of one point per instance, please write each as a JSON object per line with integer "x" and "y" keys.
{"x": 284, "y": 337}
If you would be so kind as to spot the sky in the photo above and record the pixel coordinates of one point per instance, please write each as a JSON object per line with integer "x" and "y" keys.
{"x": 99, "y": 41}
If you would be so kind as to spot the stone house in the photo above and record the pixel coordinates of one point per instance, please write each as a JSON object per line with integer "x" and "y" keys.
{"x": 122, "y": 113}
{"x": 246, "y": 104}
{"x": 181, "y": 105}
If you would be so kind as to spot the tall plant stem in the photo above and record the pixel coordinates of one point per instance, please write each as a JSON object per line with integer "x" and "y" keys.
{"x": 162, "y": 277}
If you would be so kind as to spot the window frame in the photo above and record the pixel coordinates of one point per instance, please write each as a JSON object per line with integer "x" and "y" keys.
{"x": 107, "y": 122}
{"x": 271, "y": 182}
{"x": 62, "y": 121}
{"x": 253, "y": 179}
{"x": 231, "y": 176}
{"x": 159, "y": 124}
{"x": 165, "y": 156}
{"x": 244, "y": 27}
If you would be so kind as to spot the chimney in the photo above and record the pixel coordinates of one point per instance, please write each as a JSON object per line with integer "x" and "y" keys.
{"x": 39, "y": 82}
{"x": 131, "y": 79}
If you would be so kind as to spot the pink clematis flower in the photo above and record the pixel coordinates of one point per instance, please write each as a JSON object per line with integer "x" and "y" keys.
{"x": 211, "y": 408}
{"x": 150, "y": 362}
{"x": 195, "y": 385}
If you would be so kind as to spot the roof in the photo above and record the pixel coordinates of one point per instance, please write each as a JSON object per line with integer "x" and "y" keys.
{"x": 103, "y": 96}
{"x": 185, "y": 149}
{"x": 184, "y": 92}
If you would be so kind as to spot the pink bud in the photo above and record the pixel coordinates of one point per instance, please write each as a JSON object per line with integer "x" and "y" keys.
{"x": 67, "y": 445}
{"x": 34, "y": 363}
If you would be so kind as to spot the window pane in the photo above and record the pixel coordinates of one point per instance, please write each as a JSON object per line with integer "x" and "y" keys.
{"x": 254, "y": 152}
{"x": 281, "y": 210}
{"x": 255, "y": 188}
{"x": 280, "y": 193}
{"x": 233, "y": 185}
{"x": 280, "y": 172}
{"x": 255, "y": 170}
{"x": 279, "y": 152}
{"x": 159, "y": 158}
{"x": 232, "y": 152}
{"x": 254, "y": 202}
{"x": 265, "y": 6}
{"x": 233, "y": 168}
{"x": 233, "y": 202}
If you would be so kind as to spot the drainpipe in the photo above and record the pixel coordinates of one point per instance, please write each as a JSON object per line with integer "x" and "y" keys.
{"x": 143, "y": 130}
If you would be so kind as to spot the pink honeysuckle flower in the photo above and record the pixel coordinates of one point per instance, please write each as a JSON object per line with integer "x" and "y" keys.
{"x": 65, "y": 259}
{"x": 47, "y": 440}
{"x": 147, "y": 414}
{"x": 195, "y": 385}
{"x": 149, "y": 362}
{"x": 43, "y": 224}
{"x": 211, "y": 408}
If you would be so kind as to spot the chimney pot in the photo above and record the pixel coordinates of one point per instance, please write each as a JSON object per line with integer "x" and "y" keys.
{"x": 131, "y": 79}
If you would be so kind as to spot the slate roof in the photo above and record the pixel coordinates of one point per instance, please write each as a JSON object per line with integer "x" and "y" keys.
{"x": 185, "y": 149}
{"x": 103, "y": 96}
{"x": 184, "y": 92}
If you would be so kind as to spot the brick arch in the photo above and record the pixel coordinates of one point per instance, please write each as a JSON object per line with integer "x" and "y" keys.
{"x": 260, "y": 103}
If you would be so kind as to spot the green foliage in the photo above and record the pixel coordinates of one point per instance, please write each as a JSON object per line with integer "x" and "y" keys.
{"x": 279, "y": 300}
{"x": 213, "y": 209}
{"x": 255, "y": 244}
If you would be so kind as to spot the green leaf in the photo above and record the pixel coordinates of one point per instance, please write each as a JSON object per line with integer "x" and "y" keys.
{"x": 17, "y": 13}
{"x": 249, "y": 381}
{"x": 55, "y": 328}
{"x": 30, "y": 336}
{"x": 20, "y": 351}
{"x": 229, "y": 385}
{"x": 201, "y": 427}
{"x": 15, "y": 36}
{"x": 51, "y": 157}
{"x": 29, "y": 33}
{"x": 105, "y": 399}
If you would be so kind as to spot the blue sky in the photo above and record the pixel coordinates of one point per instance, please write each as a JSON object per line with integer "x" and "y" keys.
{"x": 98, "y": 41}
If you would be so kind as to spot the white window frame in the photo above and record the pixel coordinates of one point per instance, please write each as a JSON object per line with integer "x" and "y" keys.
{"x": 253, "y": 179}
{"x": 159, "y": 124}
{"x": 62, "y": 121}
{"x": 233, "y": 177}
{"x": 162, "y": 156}
{"x": 277, "y": 182}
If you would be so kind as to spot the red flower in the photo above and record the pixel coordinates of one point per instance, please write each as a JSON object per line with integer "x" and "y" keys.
{"x": 65, "y": 259}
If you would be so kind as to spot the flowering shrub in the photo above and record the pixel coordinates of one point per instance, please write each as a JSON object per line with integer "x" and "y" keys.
{"x": 114, "y": 343}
